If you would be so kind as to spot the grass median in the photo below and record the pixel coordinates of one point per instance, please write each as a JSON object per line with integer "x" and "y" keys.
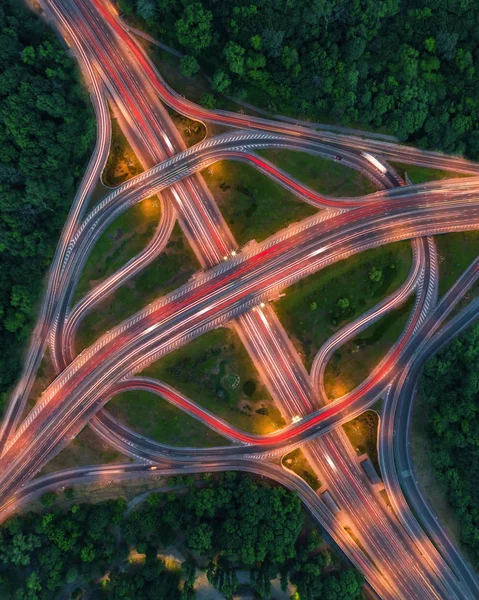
{"x": 326, "y": 176}
{"x": 122, "y": 163}
{"x": 122, "y": 240}
{"x": 362, "y": 432}
{"x": 253, "y": 206}
{"x": 354, "y": 361}
{"x": 156, "y": 418}
{"x": 316, "y": 307}
{"x": 168, "y": 271}
{"x": 456, "y": 251}
{"x": 215, "y": 371}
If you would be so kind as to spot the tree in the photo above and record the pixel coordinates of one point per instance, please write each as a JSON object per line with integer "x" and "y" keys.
{"x": 255, "y": 41}
{"x": 87, "y": 553}
{"x": 146, "y": 9}
{"x": 234, "y": 55}
{"x": 272, "y": 40}
{"x": 220, "y": 82}
{"x": 194, "y": 29}
{"x": 28, "y": 55}
{"x": 33, "y": 582}
{"x": 69, "y": 493}
{"x": 189, "y": 571}
{"x": 71, "y": 575}
{"x": 375, "y": 274}
{"x": 19, "y": 550}
{"x": 343, "y": 303}
{"x": 199, "y": 538}
{"x": 189, "y": 65}
{"x": 46, "y": 130}
{"x": 446, "y": 42}
{"x": 449, "y": 388}
{"x": 223, "y": 578}
{"x": 348, "y": 586}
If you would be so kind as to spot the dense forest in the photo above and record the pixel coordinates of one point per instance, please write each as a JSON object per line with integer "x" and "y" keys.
{"x": 46, "y": 133}
{"x": 450, "y": 388}
{"x": 408, "y": 66}
{"x": 223, "y": 524}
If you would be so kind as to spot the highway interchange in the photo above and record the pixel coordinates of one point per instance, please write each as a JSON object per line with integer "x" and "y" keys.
{"x": 400, "y": 556}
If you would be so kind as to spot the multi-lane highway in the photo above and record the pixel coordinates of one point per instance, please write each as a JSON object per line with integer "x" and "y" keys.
{"x": 397, "y": 558}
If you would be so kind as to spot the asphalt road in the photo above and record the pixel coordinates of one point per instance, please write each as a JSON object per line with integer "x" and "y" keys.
{"x": 396, "y": 564}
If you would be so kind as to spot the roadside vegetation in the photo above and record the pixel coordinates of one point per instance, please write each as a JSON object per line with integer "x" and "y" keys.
{"x": 86, "y": 449}
{"x": 151, "y": 415}
{"x": 47, "y": 130}
{"x": 84, "y": 549}
{"x": 449, "y": 392}
{"x": 183, "y": 77}
{"x": 171, "y": 269}
{"x": 215, "y": 371}
{"x": 317, "y": 306}
{"x": 326, "y": 176}
{"x": 296, "y": 461}
{"x": 355, "y": 360}
{"x": 408, "y": 71}
{"x": 362, "y": 432}
{"x": 253, "y": 206}
{"x": 418, "y": 174}
{"x": 191, "y": 131}
{"x": 122, "y": 163}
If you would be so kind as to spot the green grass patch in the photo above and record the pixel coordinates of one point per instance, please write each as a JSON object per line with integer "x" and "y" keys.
{"x": 325, "y": 176}
{"x": 122, "y": 163}
{"x": 216, "y": 372}
{"x": 123, "y": 240}
{"x": 310, "y": 310}
{"x": 156, "y": 418}
{"x": 354, "y": 361}
{"x": 456, "y": 252}
{"x": 297, "y": 462}
{"x": 170, "y": 270}
{"x": 419, "y": 174}
{"x": 253, "y": 206}
{"x": 363, "y": 435}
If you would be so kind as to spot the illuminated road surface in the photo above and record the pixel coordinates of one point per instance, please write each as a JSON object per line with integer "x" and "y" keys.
{"x": 231, "y": 290}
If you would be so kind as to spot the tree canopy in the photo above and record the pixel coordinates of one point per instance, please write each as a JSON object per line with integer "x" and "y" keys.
{"x": 46, "y": 133}
{"x": 230, "y": 522}
{"x": 449, "y": 386}
{"x": 405, "y": 65}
